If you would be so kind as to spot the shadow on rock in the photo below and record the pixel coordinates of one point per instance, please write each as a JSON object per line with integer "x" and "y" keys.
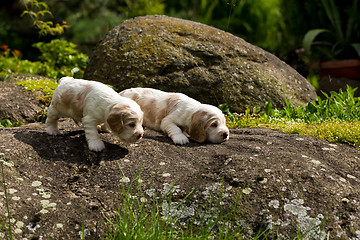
{"x": 159, "y": 137}
{"x": 69, "y": 147}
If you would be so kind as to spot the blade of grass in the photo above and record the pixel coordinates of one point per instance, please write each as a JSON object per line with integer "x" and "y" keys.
{"x": 8, "y": 230}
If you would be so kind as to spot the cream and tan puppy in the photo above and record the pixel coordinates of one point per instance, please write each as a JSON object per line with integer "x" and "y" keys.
{"x": 94, "y": 103}
{"x": 179, "y": 115}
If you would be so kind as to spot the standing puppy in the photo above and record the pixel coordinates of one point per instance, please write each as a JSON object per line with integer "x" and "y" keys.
{"x": 94, "y": 103}
{"x": 178, "y": 115}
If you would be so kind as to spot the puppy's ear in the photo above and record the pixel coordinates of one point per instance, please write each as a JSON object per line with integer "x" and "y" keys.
{"x": 197, "y": 129}
{"x": 116, "y": 119}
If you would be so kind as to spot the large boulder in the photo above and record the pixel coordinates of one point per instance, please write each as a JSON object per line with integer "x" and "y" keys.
{"x": 289, "y": 183}
{"x": 203, "y": 62}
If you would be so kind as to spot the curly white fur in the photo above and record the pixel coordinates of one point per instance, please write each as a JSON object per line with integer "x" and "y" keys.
{"x": 179, "y": 115}
{"x": 94, "y": 103}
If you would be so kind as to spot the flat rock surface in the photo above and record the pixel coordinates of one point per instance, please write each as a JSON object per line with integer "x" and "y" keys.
{"x": 55, "y": 185}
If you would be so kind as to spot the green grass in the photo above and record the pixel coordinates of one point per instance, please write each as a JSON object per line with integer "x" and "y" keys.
{"x": 335, "y": 118}
{"x": 161, "y": 217}
{"x": 5, "y": 229}
{"x": 7, "y": 123}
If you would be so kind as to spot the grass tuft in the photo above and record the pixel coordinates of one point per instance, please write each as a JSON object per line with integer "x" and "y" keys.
{"x": 163, "y": 217}
{"x": 335, "y": 118}
{"x": 3, "y": 224}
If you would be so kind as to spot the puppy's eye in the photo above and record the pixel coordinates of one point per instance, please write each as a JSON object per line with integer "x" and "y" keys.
{"x": 214, "y": 125}
{"x": 132, "y": 125}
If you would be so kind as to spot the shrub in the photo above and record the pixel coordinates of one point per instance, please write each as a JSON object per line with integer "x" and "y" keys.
{"x": 10, "y": 63}
{"x": 58, "y": 58}
{"x": 37, "y": 10}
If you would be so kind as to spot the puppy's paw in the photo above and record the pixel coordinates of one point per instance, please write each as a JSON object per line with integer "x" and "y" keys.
{"x": 102, "y": 128}
{"x": 180, "y": 139}
{"x": 96, "y": 145}
{"x": 52, "y": 131}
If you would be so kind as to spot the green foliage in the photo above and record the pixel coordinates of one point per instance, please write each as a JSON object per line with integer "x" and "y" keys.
{"x": 342, "y": 106}
{"x": 37, "y": 11}
{"x": 7, "y": 123}
{"x": 159, "y": 217}
{"x": 258, "y": 22}
{"x": 335, "y": 118}
{"x": 3, "y": 224}
{"x": 95, "y": 18}
{"x": 338, "y": 41}
{"x": 58, "y": 58}
{"x": 10, "y": 63}
{"x": 143, "y": 7}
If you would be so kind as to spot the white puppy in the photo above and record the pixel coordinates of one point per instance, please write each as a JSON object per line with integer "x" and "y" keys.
{"x": 94, "y": 103}
{"x": 179, "y": 115}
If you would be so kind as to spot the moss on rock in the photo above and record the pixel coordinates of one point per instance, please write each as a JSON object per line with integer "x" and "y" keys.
{"x": 203, "y": 62}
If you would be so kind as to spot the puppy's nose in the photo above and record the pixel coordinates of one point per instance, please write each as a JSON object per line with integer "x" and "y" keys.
{"x": 225, "y": 135}
{"x": 139, "y": 135}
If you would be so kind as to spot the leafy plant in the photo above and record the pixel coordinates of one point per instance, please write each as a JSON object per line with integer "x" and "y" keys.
{"x": 38, "y": 10}
{"x": 143, "y": 7}
{"x": 10, "y": 63}
{"x": 342, "y": 106}
{"x": 337, "y": 41}
{"x": 58, "y": 58}
{"x": 7, "y": 123}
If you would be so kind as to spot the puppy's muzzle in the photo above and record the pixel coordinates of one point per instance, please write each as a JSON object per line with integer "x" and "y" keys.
{"x": 225, "y": 136}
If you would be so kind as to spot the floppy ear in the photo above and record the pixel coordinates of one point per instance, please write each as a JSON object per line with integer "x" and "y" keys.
{"x": 115, "y": 119}
{"x": 197, "y": 129}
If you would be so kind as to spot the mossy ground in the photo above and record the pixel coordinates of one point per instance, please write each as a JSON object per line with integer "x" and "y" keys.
{"x": 45, "y": 86}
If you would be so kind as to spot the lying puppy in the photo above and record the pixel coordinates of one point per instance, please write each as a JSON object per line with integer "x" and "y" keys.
{"x": 177, "y": 114}
{"x": 94, "y": 103}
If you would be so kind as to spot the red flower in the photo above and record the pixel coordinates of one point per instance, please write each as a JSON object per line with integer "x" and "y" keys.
{"x": 4, "y": 47}
{"x": 16, "y": 53}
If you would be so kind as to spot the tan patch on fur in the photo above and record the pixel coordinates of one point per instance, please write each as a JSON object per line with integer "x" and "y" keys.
{"x": 116, "y": 117}
{"x": 147, "y": 91}
{"x": 136, "y": 97}
{"x": 67, "y": 97}
{"x": 78, "y": 109}
{"x": 197, "y": 129}
{"x": 150, "y": 107}
{"x": 149, "y": 110}
{"x": 80, "y": 97}
{"x": 171, "y": 104}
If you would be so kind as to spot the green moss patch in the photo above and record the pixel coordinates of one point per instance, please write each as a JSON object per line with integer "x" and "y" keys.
{"x": 45, "y": 86}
